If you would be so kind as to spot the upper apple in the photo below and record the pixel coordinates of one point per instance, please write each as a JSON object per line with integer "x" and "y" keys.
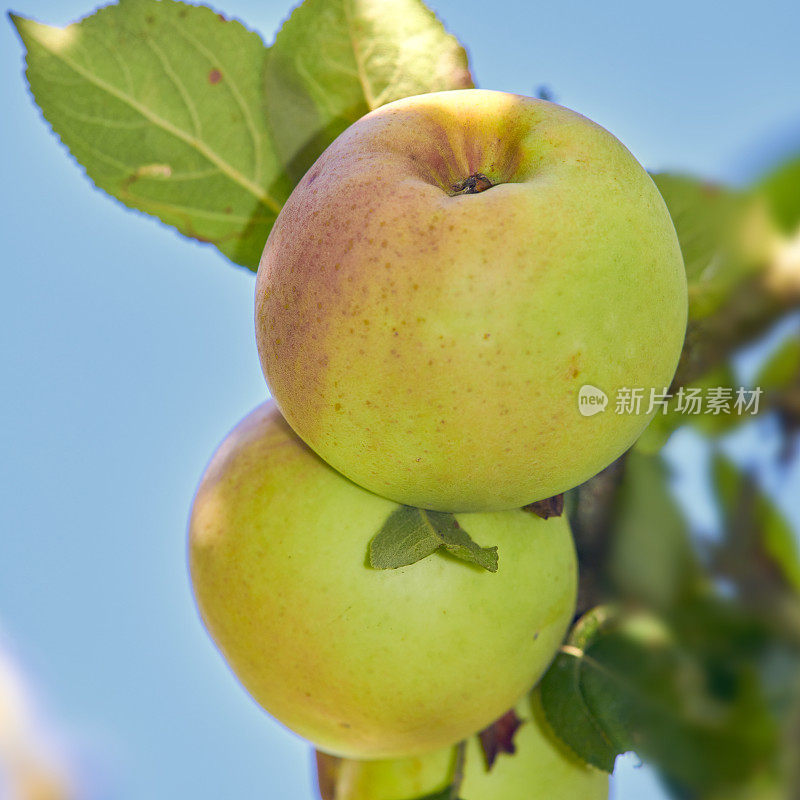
{"x": 446, "y": 277}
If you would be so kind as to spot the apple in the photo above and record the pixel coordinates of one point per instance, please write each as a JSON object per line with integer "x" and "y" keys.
{"x": 363, "y": 662}
{"x": 444, "y": 280}
{"x": 542, "y": 768}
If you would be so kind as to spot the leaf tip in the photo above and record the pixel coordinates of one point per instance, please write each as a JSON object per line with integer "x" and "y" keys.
{"x": 17, "y": 20}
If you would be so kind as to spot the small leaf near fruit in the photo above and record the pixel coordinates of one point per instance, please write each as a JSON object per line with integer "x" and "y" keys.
{"x": 411, "y": 534}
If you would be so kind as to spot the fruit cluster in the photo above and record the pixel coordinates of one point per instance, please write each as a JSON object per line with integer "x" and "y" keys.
{"x": 432, "y": 297}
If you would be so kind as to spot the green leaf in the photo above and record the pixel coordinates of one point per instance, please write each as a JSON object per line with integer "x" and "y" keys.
{"x": 657, "y": 693}
{"x": 733, "y": 695}
{"x": 457, "y": 542}
{"x": 710, "y": 221}
{"x": 411, "y": 534}
{"x": 757, "y": 531}
{"x": 162, "y": 104}
{"x": 782, "y": 368}
{"x": 782, "y": 189}
{"x": 651, "y": 558}
{"x": 563, "y": 701}
{"x": 335, "y": 60}
{"x": 624, "y": 682}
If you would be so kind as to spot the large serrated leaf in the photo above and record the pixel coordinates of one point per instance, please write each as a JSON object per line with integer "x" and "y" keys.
{"x": 335, "y": 60}
{"x": 411, "y": 534}
{"x": 162, "y": 104}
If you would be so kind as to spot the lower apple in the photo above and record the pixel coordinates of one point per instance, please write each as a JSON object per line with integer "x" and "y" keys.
{"x": 362, "y": 662}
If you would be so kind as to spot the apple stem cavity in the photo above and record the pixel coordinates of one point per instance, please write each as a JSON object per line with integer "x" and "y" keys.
{"x": 477, "y": 182}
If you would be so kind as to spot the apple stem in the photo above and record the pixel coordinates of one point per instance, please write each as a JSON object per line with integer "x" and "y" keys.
{"x": 477, "y": 182}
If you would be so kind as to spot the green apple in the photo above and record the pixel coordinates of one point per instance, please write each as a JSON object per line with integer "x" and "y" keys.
{"x": 542, "y": 768}
{"x": 445, "y": 279}
{"x": 363, "y": 662}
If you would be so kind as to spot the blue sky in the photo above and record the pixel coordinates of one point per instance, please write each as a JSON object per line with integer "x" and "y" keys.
{"x": 127, "y": 352}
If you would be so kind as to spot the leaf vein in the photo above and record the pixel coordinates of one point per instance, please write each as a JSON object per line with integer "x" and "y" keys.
{"x": 232, "y": 87}
{"x": 222, "y": 165}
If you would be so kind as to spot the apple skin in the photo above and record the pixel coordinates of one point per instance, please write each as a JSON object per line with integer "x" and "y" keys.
{"x": 542, "y": 768}
{"x": 431, "y": 347}
{"x": 362, "y": 662}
